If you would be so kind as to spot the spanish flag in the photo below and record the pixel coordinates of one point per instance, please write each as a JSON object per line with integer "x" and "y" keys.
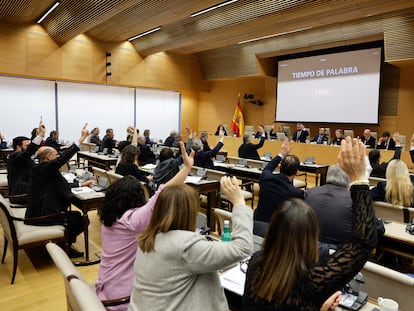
{"x": 237, "y": 124}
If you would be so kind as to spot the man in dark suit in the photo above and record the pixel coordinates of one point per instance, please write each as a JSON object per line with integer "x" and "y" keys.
{"x": 204, "y": 140}
{"x": 260, "y": 132}
{"x": 170, "y": 139}
{"x": 49, "y": 192}
{"x": 108, "y": 141}
{"x": 146, "y": 156}
{"x": 321, "y": 138}
{"x": 248, "y": 150}
{"x": 203, "y": 158}
{"x": 276, "y": 188}
{"x": 53, "y": 140}
{"x": 367, "y": 139}
{"x": 386, "y": 142}
{"x": 300, "y": 134}
{"x": 20, "y": 163}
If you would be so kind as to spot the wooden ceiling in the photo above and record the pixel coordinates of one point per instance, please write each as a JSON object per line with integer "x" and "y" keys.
{"x": 118, "y": 20}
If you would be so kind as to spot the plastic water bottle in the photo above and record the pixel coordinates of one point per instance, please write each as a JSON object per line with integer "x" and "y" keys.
{"x": 226, "y": 236}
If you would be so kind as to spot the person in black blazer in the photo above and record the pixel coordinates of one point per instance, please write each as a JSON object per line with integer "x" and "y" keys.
{"x": 260, "y": 132}
{"x": 321, "y": 138}
{"x": 20, "y": 163}
{"x": 339, "y": 136}
{"x": 276, "y": 188}
{"x": 248, "y": 150}
{"x": 50, "y": 193}
{"x": 203, "y": 158}
{"x": 146, "y": 156}
{"x": 386, "y": 142}
{"x": 367, "y": 139}
{"x": 204, "y": 140}
{"x": 108, "y": 141}
{"x": 300, "y": 134}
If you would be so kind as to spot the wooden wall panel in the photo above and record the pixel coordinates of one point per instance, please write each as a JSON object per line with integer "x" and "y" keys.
{"x": 12, "y": 51}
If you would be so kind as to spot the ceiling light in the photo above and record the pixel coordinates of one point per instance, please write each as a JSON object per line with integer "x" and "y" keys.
{"x": 144, "y": 33}
{"x": 272, "y": 36}
{"x": 48, "y": 12}
{"x": 213, "y": 8}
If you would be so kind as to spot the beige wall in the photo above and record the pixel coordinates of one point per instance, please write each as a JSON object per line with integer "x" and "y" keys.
{"x": 29, "y": 51}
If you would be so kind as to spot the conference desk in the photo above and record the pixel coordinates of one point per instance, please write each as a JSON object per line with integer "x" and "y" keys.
{"x": 86, "y": 201}
{"x": 96, "y": 159}
{"x": 396, "y": 240}
{"x": 233, "y": 280}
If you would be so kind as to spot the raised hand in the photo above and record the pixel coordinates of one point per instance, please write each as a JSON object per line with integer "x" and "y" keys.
{"x": 351, "y": 158}
{"x": 285, "y": 148}
{"x": 188, "y": 160}
{"x": 230, "y": 188}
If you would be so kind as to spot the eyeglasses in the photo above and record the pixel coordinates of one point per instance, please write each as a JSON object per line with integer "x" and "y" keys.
{"x": 244, "y": 264}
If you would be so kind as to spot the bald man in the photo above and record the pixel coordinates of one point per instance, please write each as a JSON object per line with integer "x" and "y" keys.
{"x": 367, "y": 139}
{"x": 50, "y": 193}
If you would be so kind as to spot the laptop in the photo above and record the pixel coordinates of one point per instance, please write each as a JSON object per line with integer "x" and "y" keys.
{"x": 201, "y": 172}
{"x": 103, "y": 183}
{"x": 309, "y": 160}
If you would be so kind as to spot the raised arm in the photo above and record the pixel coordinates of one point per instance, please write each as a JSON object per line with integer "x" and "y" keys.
{"x": 188, "y": 161}
{"x": 284, "y": 151}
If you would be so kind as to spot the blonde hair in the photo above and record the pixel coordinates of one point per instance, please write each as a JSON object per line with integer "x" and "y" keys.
{"x": 286, "y": 261}
{"x": 399, "y": 188}
{"x": 176, "y": 209}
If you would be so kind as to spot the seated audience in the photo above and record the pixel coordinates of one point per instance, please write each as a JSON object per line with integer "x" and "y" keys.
{"x": 220, "y": 127}
{"x": 3, "y": 142}
{"x": 398, "y": 189}
{"x": 177, "y": 140}
{"x": 170, "y": 139}
{"x": 379, "y": 169}
{"x": 367, "y": 139}
{"x": 146, "y": 156}
{"x": 300, "y": 135}
{"x": 204, "y": 141}
{"x": 53, "y": 140}
{"x": 108, "y": 141}
{"x": 386, "y": 142}
{"x": 332, "y": 204}
{"x": 94, "y": 137}
{"x": 276, "y": 188}
{"x": 148, "y": 140}
{"x": 49, "y": 192}
{"x": 280, "y": 129}
{"x": 128, "y": 165}
{"x": 125, "y": 214}
{"x": 20, "y": 163}
{"x": 339, "y": 136}
{"x": 260, "y": 132}
{"x": 248, "y": 150}
{"x": 286, "y": 275}
{"x": 167, "y": 167}
{"x": 321, "y": 138}
{"x": 177, "y": 268}
{"x": 202, "y": 158}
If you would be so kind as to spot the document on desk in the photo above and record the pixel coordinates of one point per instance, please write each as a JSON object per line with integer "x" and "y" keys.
{"x": 233, "y": 280}
{"x": 148, "y": 166}
{"x": 192, "y": 179}
{"x": 86, "y": 193}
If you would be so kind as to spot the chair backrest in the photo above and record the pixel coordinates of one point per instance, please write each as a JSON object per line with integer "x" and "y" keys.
{"x": 227, "y": 128}
{"x": 267, "y": 128}
{"x": 7, "y": 224}
{"x": 309, "y": 131}
{"x": 403, "y": 142}
{"x": 349, "y": 133}
{"x": 201, "y": 220}
{"x": 384, "y": 282}
{"x": 374, "y": 134}
{"x": 87, "y": 147}
{"x": 328, "y": 132}
{"x": 221, "y": 216}
{"x": 113, "y": 177}
{"x": 248, "y": 129}
{"x": 216, "y": 175}
{"x": 287, "y": 130}
{"x": 373, "y": 181}
{"x": 84, "y": 296}
{"x": 67, "y": 269}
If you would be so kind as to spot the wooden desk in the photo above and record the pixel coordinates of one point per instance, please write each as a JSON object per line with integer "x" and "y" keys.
{"x": 87, "y": 202}
{"x": 212, "y": 188}
{"x": 98, "y": 160}
{"x": 397, "y": 240}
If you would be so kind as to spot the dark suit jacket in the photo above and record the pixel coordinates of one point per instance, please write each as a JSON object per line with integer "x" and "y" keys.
{"x": 378, "y": 192}
{"x": 130, "y": 169}
{"x": 206, "y": 147}
{"x": 19, "y": 166}
{"x": 391, "y": 145}
{"x": 370, "y": 143}
{"x": 52, "y": 143}
{"x": 146, "y": 155}
{"x": 302, "y": 137}
{"x": 49, "y": 192}
{"x": 274, "y": 189}
{"x": 169, "y": 141}
{"x": 259, "y": 135}
{"x": 203, "y": 158}
{"x": 107, "y": 142}
{"x": 249, "y": 150}
{"x": 324, "y": 138}
{"x": 95, "y": 139}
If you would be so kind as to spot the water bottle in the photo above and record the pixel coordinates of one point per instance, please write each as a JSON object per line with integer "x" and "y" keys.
{"x": 226, "y": 236}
